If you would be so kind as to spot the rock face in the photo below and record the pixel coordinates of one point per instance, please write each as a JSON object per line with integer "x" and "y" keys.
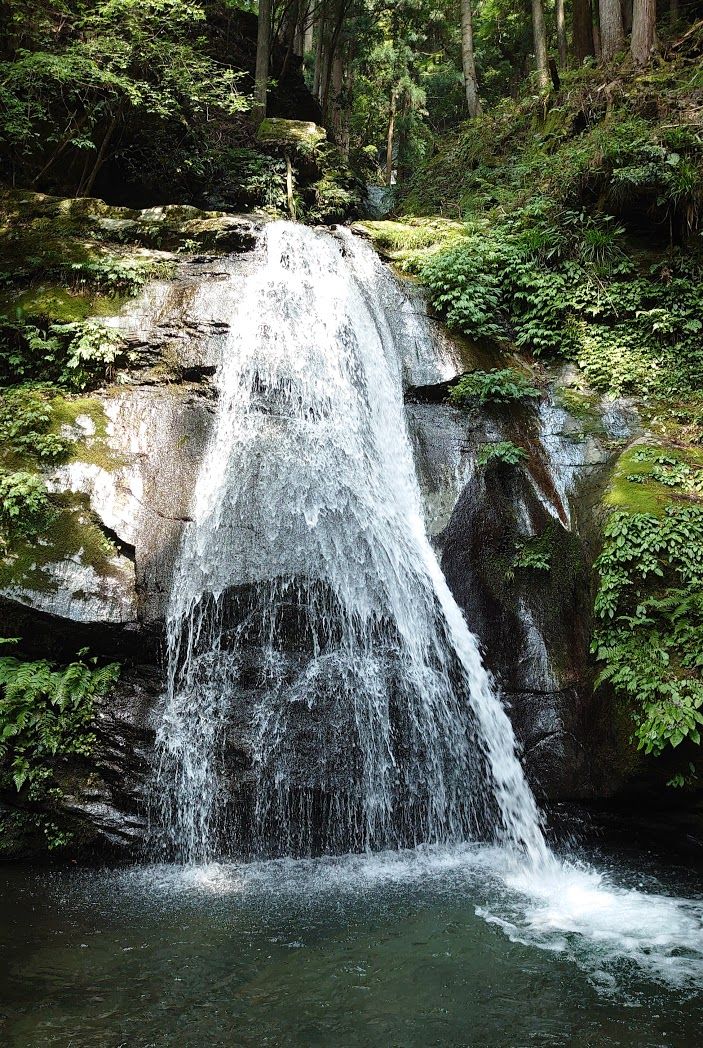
{"x": 516, "y": 542}
{"x": 516, "y": 545}
{"x": 127, "y": 488}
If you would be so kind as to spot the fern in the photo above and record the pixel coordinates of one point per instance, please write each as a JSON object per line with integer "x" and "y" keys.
{"x": 46, "y": 712}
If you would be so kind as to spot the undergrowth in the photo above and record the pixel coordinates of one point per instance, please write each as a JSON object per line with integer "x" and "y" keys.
{"x": 649, "y": 633}
{"x": 46, "y": 717}
{"x": 576, "y": 237}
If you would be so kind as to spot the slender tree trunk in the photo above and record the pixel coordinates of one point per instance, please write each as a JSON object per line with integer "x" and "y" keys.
{"x": 467, "y": 58}
{"x": 84, "y": 190}
{"x": 263, "y": 54}
{"x": 289, "y": 188}
{"x": 344, "y": 134}
{"x": 597, "y": 49}
{"x": 336, "y": 91}
{"x": 298, "y": 31}
{"x": 319, "y": 54}
{"x": 307, "y": 30}
{"x": 644, "y": 19}
{"x": 612, "y": 34}
{"x": 626, "y": 10}
{"x": 389, "y": 141}
{"x": 674, "y": 13}
{"x": 583, "y": 29}
{"x": 331, "y": 48}
{"x": 561, "y": 33}
{"x": 540, "y": 36}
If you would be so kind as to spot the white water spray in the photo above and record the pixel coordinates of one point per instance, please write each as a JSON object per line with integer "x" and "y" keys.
{"x": 307, "y": 603}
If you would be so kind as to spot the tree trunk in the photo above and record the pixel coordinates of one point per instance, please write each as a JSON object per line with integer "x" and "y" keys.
{"x": 540, "y": 35}
{"x": 307, "y": 30}
{"x": 612, "y": 34}
{"x": 263, "y": 48}
{"x": 561, "y": 33}
{"x": 626, "y": 10}
{"x": 674, "y": 13}
{"x": 289, "y": 188}
{"x": 84, "y": 189}
{"x": 336, "y": 93}
{"x": 319, "y": 54}
{"x": 389, "y": 142}
{"x": 596, "y": 42}
{"x": 473, "y": 102}
{"x": 299, "y": 31}
{"x": 290, "y": 30}
{"x": 644, "y": 21}
{"x": 583, "y": 29}
{"x": 331, "y": 49}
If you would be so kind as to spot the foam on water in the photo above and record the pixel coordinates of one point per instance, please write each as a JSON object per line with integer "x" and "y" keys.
{"x": 612, "y": 931}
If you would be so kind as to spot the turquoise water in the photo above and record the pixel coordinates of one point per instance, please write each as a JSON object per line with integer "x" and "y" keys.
{"x": 419, "y": 948}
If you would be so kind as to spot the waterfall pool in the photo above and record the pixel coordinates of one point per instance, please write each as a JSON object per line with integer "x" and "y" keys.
{"x": 416, "y": 948}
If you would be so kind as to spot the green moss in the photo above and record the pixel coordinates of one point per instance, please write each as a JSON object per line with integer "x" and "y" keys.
{"x": 59, "y": 304}
{"x": 580, "y": 405}
{"x": 300, "y": 134}
{"x": 410, "y": 240}
{"x": 646, "y": 496}
{"x": 93, "y": 449}
{"x": 73, "y": 533}
{"x": 635, "y": 489}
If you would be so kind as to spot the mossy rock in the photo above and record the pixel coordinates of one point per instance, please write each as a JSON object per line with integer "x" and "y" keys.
{"x": 59, "y": 304}
{"x": 73, "y": 533}
{"x": 302, "y": 135}
{"x": 407, "y": 241}
{"x": 633, "y": 489}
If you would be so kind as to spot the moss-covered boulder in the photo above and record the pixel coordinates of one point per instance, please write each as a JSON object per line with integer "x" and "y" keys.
{"x": 295, "y": 135}
{"x": 324, "y": 187}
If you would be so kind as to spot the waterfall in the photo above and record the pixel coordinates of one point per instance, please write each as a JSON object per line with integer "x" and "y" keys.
{"x": 324, "y": 692}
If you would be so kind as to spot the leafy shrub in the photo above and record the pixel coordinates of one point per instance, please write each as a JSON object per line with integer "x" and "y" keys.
{"x": 25, "y": 418}
{"x": 649, "y": 612}
{"x": 258, "y": 180}
{"x": 46, "y": 714}
{"x": 464, "y": 283}
{"x": 24, "y": 504}
{"x": 495, "y": 387}
{"x": 115, "y": 274}
{"x": 75, "y": 355}
{"x": 533, "y": 554}
{"x": 503, "y": 451}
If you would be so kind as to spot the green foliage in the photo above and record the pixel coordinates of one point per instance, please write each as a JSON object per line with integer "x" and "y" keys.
{"x": 103, "y": 65}
{"x": 256, "y": 179}
{"x": 25, "y": 421}
{"x": 46, "y": 715}
{"x": 24, "y": 505}
{"x": 503, "y": 451}
{"x": 649, "y": 612}
{"x": 74, "y": 355}
{"x": 464, "y": 283}
{"x": 670, "y": 470}
{"x": 497, "y": 386}
{"x": 533, "y": 554}
{"x": 562, "y": 285}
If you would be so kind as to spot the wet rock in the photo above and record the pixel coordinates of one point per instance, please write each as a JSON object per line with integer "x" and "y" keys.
{"x": 493, "y": 526}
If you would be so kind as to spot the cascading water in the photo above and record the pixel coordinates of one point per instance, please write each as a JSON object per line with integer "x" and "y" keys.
{"x": 309, "y": 617}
